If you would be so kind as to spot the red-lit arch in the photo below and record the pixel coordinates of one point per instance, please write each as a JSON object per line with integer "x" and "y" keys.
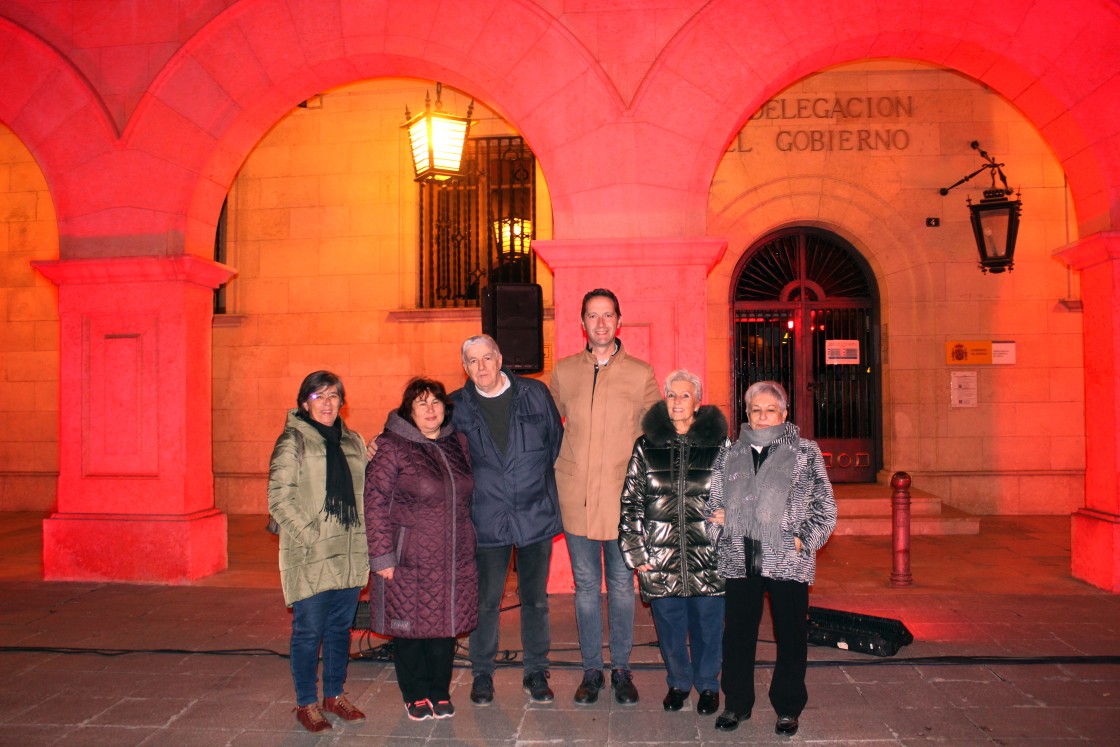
{"x": 251, "y": 65}
{"x": 248, "y": 66}
{"x": 734, "y": 55}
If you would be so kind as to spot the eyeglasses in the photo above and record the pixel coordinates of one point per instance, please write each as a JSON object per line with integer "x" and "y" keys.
{"x": 758, "y": 412}
{"x": 331, "y": 397}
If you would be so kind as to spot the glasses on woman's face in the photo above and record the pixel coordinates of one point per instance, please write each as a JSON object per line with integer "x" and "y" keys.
{"x": 322, "y": 397}
{"x": 765, "y": 412}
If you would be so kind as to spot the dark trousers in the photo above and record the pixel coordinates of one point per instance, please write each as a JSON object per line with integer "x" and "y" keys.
{"x": 789, "y": 605}
{"x": 424, "y": 667}
{"x": 532, "y": 589}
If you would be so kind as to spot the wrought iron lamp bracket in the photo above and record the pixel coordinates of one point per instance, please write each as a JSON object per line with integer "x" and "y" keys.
{"x": 992, "y": 166}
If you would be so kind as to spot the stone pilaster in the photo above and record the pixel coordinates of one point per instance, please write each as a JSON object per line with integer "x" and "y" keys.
{"x": 1095, "y": 553}
{"x": 135, "y": 484}
{"x": 661, "y": 284}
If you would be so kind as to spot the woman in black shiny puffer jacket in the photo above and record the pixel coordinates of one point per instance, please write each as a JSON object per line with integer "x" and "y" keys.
{"x": 661, "y": 535}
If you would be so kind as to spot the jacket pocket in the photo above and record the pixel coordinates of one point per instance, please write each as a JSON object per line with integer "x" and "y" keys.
{"x": 309, "y": 537}
{"x": 474, "y": 435}
{"x": 402, "y": 545}
{"x": 532, "y": 432}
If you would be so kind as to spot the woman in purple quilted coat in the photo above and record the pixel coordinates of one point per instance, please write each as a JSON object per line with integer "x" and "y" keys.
{"x": 421, "y": 545}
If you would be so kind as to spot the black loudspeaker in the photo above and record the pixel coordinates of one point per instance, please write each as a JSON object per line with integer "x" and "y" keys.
{"x": 362, "y": 616}
{"x": 881, "y": 636}
{"x": 513, "y": 314}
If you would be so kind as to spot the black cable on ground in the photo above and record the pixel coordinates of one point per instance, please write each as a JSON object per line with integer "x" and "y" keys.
{"x": 511, "y": 658}
{"x": 124, "y": 651}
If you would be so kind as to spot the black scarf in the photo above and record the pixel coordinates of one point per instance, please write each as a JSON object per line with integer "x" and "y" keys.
{"x": 340, "y": 503}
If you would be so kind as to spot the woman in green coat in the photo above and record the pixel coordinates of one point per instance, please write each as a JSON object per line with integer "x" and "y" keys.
{"x": 315, "y": 484}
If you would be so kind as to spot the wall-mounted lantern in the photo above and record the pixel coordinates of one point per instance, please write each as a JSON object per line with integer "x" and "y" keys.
{"x": 995, "y": 219}
{"x": 437, "y": 139}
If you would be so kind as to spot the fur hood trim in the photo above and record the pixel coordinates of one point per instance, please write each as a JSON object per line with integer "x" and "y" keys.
{"x": 708, "y": 429}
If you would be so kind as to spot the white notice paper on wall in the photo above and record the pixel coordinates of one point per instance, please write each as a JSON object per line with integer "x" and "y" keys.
{"x": 964, "y": 389}
{"x": 1003, "y": 352}
{"x": 841, "y": 352}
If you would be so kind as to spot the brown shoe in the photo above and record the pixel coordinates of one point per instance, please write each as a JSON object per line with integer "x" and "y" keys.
{"x": 311, "y": 718}
{"x": 343, "y": 708}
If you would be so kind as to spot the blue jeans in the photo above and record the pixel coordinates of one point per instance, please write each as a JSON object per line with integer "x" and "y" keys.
{"x": 690, "y": 633}
{"x": 322, "y": 620}
{"x": 589, "y": 559}
{"x": 532, "y": 590}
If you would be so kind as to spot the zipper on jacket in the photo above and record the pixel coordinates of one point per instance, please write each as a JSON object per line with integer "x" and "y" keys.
{"x": 594, "y": 383}
{"x": 598, "y": 365}
{"x": 682, "y": 479}
{"x": 454, "y": 518}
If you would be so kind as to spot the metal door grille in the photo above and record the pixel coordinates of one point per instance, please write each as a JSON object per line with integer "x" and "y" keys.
{"x": 795, "y": 292}
{"x": 842, "y": 394}
{"x": 470, "y": 227}
{"x": 765, "y": 340}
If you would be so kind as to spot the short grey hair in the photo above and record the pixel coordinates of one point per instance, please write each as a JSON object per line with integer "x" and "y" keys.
{"x": 772, "y": 388}
{"x": 682, "y": 374}
{"x": 472, "y": 341}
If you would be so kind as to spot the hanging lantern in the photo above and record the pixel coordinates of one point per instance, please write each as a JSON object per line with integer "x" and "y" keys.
{"x": 437, "y": 139}
{"x": 513, "y": 236}
{"x": 995, "y": 225}
{"x": 995, "y": 219}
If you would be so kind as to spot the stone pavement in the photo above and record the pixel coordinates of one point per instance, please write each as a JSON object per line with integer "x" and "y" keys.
{"x": 1008, "y": 650}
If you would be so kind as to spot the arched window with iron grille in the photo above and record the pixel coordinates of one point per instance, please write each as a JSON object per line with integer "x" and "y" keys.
{"x": 477, "y": 229}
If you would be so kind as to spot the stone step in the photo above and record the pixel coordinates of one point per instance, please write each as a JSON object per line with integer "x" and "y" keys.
{"x": 931, "y": 525}
{"x": 865, "y": 509}
{"x": 925, "y": 505}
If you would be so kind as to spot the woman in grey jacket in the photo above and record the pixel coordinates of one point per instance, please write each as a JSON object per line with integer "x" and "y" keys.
{"x": 315, "y": 482}
{"x": 771, "y": 508}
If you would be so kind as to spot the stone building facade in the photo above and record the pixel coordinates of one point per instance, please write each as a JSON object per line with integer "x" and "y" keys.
{"x": 676, "y": 145}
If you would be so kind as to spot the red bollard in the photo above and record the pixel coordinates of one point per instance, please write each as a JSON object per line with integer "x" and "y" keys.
{"x": 900, "y": 538}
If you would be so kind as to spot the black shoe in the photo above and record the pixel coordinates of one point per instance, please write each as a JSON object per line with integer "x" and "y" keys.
{"x": 729, "y": 719}
{"x": 482, "y": 691}
{"x": 786, "y": 726}
{"x": 419, "y": 710}
{"x": 708, "y": 703}
{"x": 588, "y": 690}
{"x": 536, "y": 684}
{"x": 674, "y": 699}
{"x": 622, "y": 682}
{"x": 442, "y": 709}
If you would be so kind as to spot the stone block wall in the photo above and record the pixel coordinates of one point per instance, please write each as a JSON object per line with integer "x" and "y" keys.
{"x": 28, "y": 333}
